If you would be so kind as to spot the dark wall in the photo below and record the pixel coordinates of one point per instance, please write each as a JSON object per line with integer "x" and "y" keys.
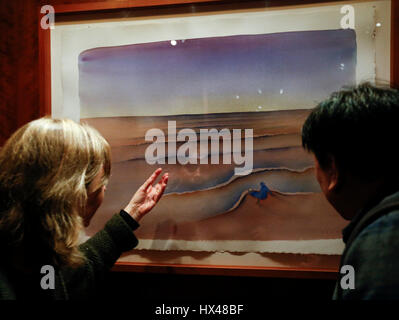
{"x": 193, "y": 288}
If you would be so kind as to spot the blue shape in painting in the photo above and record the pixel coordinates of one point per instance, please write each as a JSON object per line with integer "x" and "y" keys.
{"x": 262, "y": 193}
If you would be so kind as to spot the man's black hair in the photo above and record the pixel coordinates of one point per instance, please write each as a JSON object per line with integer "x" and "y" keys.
{"x": 359, "y": 128}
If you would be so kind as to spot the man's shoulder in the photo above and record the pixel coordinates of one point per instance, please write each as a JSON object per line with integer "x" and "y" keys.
{"x": 383, "y": 217}
{"x": 384, "y": 224}
{"x": 374, "y": 256}
{"x": 383, "y": 229}
{"x": 380, "y": 237}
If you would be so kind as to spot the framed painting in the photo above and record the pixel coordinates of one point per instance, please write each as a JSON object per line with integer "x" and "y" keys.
{"x": 216, "y": 94}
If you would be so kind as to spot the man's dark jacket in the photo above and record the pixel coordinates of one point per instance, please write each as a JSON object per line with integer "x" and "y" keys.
{"x": 373, "y": 254}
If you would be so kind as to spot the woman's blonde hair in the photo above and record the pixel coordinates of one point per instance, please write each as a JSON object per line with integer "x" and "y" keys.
{"x": 45, "y": 169}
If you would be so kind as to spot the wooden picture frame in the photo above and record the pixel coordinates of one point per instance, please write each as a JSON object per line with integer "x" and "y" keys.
{"x": 106, "y": 9}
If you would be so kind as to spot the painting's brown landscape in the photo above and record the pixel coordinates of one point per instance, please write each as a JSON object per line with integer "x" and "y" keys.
{"x": 207, "y": 201}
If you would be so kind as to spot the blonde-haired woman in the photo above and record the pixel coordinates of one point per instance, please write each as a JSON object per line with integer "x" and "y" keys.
{"x": 53, "y": 174}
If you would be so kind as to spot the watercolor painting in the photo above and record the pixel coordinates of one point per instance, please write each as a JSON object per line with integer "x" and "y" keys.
{"x": 265, "y": 82}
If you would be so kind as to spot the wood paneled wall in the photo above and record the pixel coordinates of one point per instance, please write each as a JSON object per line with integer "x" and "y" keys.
{"x": 19, "y": 91}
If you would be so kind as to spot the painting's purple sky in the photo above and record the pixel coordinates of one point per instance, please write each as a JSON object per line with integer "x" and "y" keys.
{"x": 288, "y": 70}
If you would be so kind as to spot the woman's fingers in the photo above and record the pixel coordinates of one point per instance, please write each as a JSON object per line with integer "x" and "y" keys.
{"x": 161, "y": 186}
{"x": 153, "y": 190}
{"x": 151, "y": 179}
{"x": 164, "y": 179}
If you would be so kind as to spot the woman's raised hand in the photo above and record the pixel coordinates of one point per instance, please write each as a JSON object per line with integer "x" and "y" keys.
{"x": 147, "y": 196}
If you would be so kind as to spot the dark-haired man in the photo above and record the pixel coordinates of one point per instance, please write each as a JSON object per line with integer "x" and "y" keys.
{"x": 353, "y": 136}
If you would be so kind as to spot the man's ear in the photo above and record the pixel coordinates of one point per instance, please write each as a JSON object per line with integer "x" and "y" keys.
{"x": 335, "y": 178}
